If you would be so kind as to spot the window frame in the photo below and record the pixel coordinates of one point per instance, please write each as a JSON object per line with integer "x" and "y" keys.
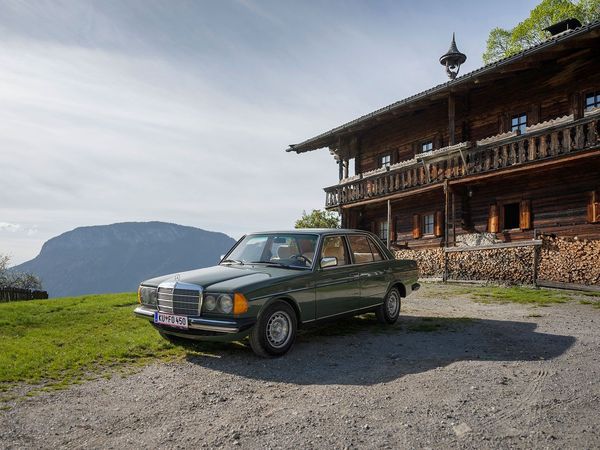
{"x": 346, "y": 246}
{"x": 380, "y": 162}
{"x": 595, "y": 94}
{"x": 520, "y": 126}
{"x": 385, "y": 225}
{"x": 371, "y": 242}
{"x": 424, "y": 232}
{"x": 423, "y": 144}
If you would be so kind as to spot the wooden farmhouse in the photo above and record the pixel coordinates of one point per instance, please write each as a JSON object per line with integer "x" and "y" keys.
{"x": 497, "y": 155}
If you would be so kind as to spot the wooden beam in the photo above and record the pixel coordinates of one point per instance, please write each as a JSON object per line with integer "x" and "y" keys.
{"x": 389, "y": 223}
{"x": 451, "y": 114}
{"x": 395, "y": 196}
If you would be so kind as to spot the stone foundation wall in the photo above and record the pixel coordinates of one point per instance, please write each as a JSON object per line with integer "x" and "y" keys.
{"x": 560, "y": 259}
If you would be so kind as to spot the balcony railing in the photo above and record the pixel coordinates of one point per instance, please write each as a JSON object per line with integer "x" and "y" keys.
{"x": 546, "y": 140}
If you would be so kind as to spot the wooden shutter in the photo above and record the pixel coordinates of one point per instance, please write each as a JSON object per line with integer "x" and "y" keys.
{"x": 525, "y": 215}
{"x": 503, "y": 123}
{"x": 416, "y": 226}
{"x": 593, "y": 215}
{"x": 438, "y": 227}
{"x": 493, "y": 219}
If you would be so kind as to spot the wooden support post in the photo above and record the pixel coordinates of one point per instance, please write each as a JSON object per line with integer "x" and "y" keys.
{"x": 451, "y": 125}
{"x": 446, "y": 211}
{"x": 453, "y": 221}
{"x": 536, "y": 259}
{"x": 389, "y": 224}
{"x": 340, "y": 169}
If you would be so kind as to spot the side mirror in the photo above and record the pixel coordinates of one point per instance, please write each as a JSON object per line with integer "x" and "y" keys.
{"x": 329, "y": 261}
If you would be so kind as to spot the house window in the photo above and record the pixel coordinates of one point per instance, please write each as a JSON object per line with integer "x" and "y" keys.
{"x": 511, "y": 216}
{"x": 426, "y": 146}
{"x": 382, "y": 230}
{"x": 519, "y": 122}
{"x": 427, "y": 223}
{"x": 592, "y": 100}
{"x": 385, "y": 160}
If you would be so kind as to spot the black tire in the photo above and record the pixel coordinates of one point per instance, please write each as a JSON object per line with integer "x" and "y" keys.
{"x": 275, "y": 332}
{"x": 389, "y": 311}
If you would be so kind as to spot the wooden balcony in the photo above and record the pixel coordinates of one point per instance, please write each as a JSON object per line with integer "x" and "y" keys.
{"x": 547, "y": 140}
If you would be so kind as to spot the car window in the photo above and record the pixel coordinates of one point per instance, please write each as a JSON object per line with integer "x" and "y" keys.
{"x": 290, "y": 250}
{"x": 361, "y": 251}
{"x": 377, "y": 256}
{"x": 334, "y": 246}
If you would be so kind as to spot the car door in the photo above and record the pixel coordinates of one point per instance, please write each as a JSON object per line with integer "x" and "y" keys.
{"x": 337, "y": 287}
{"x": 373, "y": 269}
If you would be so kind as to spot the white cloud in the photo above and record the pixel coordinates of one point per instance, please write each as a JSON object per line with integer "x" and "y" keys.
{"x": 10, "y": 227}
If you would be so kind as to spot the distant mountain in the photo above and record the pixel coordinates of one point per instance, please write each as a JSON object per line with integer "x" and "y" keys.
{"x": 115, "y": 258}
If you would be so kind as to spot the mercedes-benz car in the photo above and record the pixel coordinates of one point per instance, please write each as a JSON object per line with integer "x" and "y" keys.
{"x": 272, "y": 283}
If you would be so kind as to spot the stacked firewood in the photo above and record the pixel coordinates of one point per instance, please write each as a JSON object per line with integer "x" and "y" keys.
{"x": 511, "y": 265}
{"x": 430, "y": 261}
{"x": 570, "y": 260}
{"x": 559, "y": 259}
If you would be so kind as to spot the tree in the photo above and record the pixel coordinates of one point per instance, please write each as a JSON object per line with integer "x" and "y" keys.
{"x": 502, "y": 43}
{"x": 318, "y": 219}
{"x": 9, "y": 278}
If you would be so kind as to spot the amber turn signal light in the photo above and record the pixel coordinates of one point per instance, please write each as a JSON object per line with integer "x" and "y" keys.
{"x": 240, "y": 304}
{"x": 140, "y": 295}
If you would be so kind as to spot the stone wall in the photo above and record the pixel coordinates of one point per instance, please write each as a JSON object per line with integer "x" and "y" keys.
{"x": 560, "y": 259}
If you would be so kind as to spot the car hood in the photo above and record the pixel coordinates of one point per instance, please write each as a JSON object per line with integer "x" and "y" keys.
{"x": 226, "y": 278}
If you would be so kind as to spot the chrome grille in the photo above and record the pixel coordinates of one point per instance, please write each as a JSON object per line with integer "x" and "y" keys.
{"x": 186, "y": 302}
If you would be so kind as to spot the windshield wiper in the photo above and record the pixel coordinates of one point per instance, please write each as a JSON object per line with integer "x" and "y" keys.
{"x": 278, "y": 264}
{"x": 232, "y": 261}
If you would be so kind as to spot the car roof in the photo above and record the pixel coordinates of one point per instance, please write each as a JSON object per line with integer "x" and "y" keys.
{"x": 319, "y": 231}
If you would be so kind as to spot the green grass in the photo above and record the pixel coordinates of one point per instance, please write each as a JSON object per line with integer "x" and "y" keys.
{"x": 67, "y": 340}
{"x": 595, "y": 304}
{"x": 515, "y": 294}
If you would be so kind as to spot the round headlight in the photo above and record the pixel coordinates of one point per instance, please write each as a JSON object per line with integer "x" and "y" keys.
{"x": 210, "y": 302}
{"x": 225, "y": 303}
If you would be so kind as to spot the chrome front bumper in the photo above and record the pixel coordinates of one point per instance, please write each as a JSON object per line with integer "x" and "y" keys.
{"x": 195, "y": 323}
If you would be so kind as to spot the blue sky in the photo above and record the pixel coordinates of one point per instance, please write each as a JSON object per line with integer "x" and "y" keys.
{"x": 180, "y": 111}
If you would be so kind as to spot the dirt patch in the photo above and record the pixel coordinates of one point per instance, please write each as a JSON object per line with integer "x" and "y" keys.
{"x": 452, "y": 373}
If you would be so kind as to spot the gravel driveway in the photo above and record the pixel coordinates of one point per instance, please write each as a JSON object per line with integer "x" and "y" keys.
{"x": 451, "y": 373}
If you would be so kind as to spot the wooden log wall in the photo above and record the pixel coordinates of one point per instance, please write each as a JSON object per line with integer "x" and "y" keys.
{"x": 557, "y": 202}
{"x": 544, "y": 92}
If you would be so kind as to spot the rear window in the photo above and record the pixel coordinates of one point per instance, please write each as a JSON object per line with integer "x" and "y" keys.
{"x": 360, "y": 248}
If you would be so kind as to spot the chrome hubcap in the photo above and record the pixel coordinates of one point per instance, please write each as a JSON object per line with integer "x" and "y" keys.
{"x": 393, "y": 304}
{"x": 278, "y": 329}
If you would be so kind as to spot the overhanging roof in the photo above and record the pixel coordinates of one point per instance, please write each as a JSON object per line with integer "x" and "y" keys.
{"x": 330, "y": 137}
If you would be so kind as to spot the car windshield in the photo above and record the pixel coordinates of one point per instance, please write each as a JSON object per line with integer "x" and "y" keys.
{"x": 291, "y": 250}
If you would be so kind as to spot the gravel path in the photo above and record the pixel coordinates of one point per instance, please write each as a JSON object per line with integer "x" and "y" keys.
{"x": 513, "y": 376}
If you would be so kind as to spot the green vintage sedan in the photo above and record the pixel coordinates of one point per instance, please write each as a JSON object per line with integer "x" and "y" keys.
{"x": 272, "y": 283}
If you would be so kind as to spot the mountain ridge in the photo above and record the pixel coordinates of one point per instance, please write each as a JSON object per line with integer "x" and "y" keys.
{"x": 101, "y": 259}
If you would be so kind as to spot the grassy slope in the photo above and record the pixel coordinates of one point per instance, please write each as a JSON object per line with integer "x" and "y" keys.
{"x": 66, "y": 339}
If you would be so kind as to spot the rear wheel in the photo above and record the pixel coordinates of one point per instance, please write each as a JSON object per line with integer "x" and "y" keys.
{"x": 389, "y": 311}
{"x": 275, "y": 332}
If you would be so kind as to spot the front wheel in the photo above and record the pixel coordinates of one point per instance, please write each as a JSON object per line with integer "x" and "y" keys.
{"x": 389, "y": 311}
{"x": 275, "y": 332}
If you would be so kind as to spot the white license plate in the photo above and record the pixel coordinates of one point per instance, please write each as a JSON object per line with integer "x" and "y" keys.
{"x": 171, "y": 320}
